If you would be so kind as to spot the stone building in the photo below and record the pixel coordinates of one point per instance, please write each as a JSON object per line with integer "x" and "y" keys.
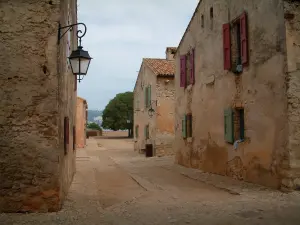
{"x": 81, "y": 122}
{"x": 238, "y": 91}
{"x": 154, "y": 89}
{"x": 38, "y": 105}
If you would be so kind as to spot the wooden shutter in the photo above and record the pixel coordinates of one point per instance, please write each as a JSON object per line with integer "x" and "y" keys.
{"x": 74, "y": 138}
{"x": 244, "y": 38}
{"x": 66, "y": 134}
{"x": 183, "y": 127}
{"x": 192, "y": 61}
{"x": 226, "y": 46}
{"x": 146, "y": 97}
{"x": 182, "y": 71}
{"x": 228, "y": 125}
{"x": 149, "y": 96}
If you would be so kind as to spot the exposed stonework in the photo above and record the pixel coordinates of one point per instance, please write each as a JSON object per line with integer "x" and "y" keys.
{"x": 37, "y": 92}
{"x": 81, "y": 120}
{"x": 157, "y": 73}
{"x": 260, "y": 90}
{"x": 291, "y": 159}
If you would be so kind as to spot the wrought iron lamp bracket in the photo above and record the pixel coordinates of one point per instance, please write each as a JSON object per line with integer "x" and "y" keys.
{"x": 79, "y": 32}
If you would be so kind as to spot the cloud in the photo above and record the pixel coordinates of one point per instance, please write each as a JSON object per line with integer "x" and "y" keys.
{"x": 120, "y": 33}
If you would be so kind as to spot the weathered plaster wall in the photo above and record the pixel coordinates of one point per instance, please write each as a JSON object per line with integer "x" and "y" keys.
{"x": 81, "y": 123}
{"x": 165, "y": 95}
{"x": 34, "y": 173}
{"x": 260, "y": 89}
{"x": 141, "y": 117}
{"x": 291, "y": 163}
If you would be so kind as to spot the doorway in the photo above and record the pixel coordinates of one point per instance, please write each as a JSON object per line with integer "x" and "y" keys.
{"x": 149, "y": 150}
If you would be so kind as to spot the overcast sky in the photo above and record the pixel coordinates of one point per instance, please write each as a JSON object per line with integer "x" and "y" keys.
{"x": 122, "y": 32}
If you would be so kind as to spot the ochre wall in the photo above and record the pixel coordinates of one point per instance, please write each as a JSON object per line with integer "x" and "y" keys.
{"x": 260, "y": 90}
{"x": 141, "y": 117}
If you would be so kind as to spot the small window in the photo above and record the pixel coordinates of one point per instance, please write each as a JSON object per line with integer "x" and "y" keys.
{"x": 202, "y": 21}
{"x": 74, "y": 138}
{"x": 211, "y": 18}
{"x": 66, "y": 134}
{"x": 148, "y": 96}
{"x": 235, "y": 44}
{"x": 137, "y": 131}
{"x": 234, "y": 126}
{"x": 147, "y": 132}
{"x": 187, "y": 127}
{"x": 239, "y": 124}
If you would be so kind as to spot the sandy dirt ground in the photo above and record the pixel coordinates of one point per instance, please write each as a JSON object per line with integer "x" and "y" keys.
{"x": 115, "y": 185}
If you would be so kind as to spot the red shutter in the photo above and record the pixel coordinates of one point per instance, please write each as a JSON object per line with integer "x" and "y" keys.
{"x": 244, "y": 38}
{"x": 182, "y": 71}
{"x": 66, "y": 134}
{"x": 74, "y": 138}
{"x": 226, "y": 46}
{"x": 192, "y": 59}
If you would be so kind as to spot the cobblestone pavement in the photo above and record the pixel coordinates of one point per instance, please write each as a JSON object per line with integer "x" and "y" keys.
{"x": 115, "y": 185}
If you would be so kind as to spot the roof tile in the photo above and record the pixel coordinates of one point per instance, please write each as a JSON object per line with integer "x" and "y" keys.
{"x": 161, "y": 67}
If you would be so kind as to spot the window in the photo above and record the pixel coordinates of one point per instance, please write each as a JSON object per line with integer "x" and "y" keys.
{"x": 187, "y": 69}
{"x": 239, "y": 124}
{"x": 147, "y": 132}
{"x": 202, "y": 21}
{"x": 66, "y": 134}
{"x": 137, "y": 131}
{"x": 211, "y": 12}
{"x": 187, "y": 126}
{"x": 74, "y": 138}
{"x": 235, "y": 44}
{"x": 148, "y": 96}
{"x": 234, "y": 126}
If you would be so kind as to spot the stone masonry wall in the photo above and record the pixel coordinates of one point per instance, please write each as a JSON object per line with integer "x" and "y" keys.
{"x": 260, "y": 90}
{"x": 80, "y": 123}
{"x": 291, "y": 160}
{"x": 32, "y": 149}
{"x": 165, "y": 95}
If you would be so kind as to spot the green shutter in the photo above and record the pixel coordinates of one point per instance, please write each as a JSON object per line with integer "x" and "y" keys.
{"x": 228, "y": 125}
{"x": 136, "y": 131}
{"x": 146, "y": 95}
{"x": 183, "y": 128}
{"x": 145, "y": 132}
{"x": 149, "y": 96}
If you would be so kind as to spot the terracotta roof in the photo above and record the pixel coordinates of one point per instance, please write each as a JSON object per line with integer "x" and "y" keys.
{"x": 161, "y": 67}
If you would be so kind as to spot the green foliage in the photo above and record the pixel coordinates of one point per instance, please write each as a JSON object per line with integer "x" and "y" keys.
{"x": 93, "y": 126}
{"x": 118, "y": 111}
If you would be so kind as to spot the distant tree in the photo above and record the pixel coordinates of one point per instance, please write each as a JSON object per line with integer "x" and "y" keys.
{"x": 93, "y": 126}
{"x": 118, "y": 112}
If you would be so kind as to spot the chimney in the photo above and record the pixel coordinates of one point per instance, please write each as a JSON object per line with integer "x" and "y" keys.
{"x": 170, "y": 53}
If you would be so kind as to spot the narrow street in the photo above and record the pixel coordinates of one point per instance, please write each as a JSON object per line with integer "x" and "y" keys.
{"x": 115, "y": 185}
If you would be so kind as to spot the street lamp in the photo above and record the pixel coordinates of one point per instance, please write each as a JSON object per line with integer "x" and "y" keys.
{"x": 79, "y": 58}
{"x": 151, "y": 111}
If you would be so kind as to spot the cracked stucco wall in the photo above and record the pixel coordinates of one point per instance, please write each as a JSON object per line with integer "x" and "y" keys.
{"x": 36, "y": 94}
{"x": 260, "y": 90}
{"x": 141, "y": 118}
